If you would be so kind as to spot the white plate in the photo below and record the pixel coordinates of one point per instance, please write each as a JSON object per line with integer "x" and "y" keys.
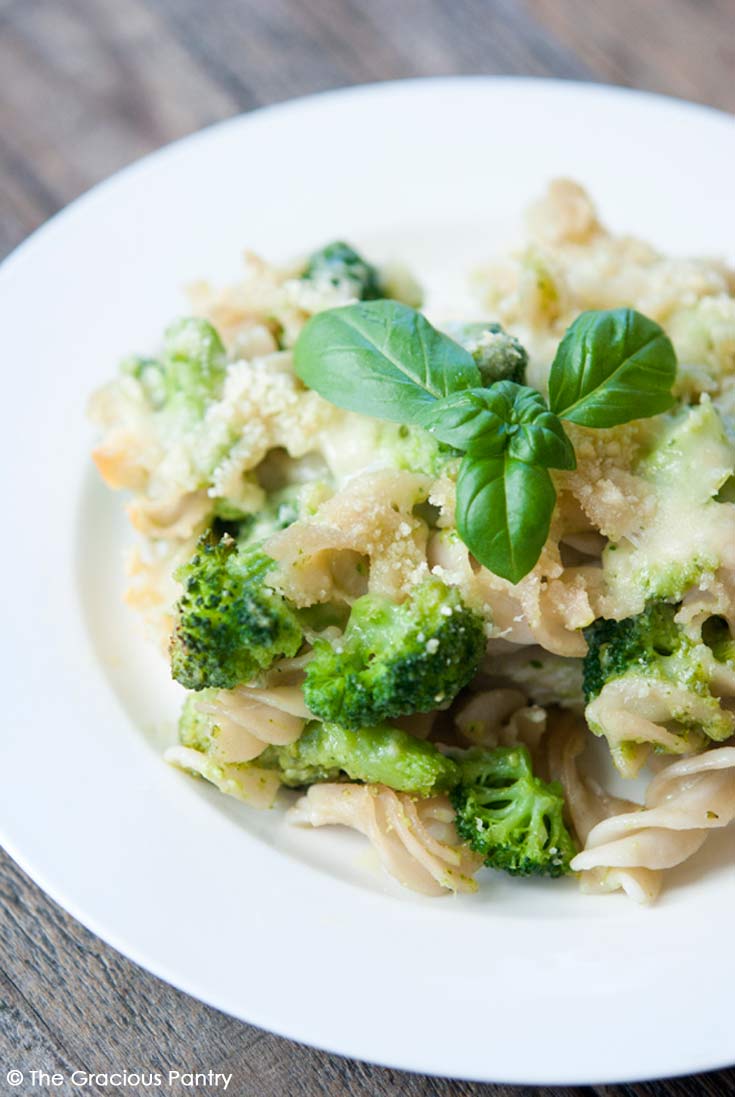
{"x": 295, "y": 932}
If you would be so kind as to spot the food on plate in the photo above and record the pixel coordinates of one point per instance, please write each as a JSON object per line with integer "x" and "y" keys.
{"x": 413, "y": 569}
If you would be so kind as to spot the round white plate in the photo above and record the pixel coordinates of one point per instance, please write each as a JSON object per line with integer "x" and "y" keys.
{"x": 295, "y": 931}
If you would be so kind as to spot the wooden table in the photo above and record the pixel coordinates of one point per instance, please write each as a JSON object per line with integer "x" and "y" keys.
{"x": 89, "y": 85}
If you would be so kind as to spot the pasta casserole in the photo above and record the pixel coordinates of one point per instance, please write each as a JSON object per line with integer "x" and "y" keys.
{"x": 412, "y": 569}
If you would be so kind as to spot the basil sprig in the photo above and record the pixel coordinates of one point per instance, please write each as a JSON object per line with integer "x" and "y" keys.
{"x": 384, "y": 359}
{"x": 486, "y": 422}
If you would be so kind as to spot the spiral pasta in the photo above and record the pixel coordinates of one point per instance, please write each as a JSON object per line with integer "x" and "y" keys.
{"x": 547, "y": 607}
{"x": 414, "y": 839}
{"x": 245, "y": 721}
{"x": 500, "y": 717}
{"x": 715, "y": 596}
{"x": 177, "y": 519}
{"x": 684, "y": 802}
{"x": 372, "y": 517}
{"x": 588, "y": 805}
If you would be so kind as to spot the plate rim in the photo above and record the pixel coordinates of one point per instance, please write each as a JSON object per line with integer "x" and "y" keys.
{"x": 341, "y": 92}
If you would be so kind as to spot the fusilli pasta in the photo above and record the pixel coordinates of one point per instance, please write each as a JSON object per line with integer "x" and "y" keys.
{"x": 400, "y": 830}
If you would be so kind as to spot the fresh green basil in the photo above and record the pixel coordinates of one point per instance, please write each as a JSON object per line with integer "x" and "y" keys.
{"x": 486, "y": 422}
{"x": 384, "y": 359}
{"x": 543, "y": 441}
{"x": 612, "y": 366}
{"x": 381, "y": 358}
{"x": 473, "y": 417}
{"x": 504, "y": 509}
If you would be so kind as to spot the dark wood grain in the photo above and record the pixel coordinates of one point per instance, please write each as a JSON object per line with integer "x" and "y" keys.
{"x": 87, "y": 86}
{"x": 680, "y": 47}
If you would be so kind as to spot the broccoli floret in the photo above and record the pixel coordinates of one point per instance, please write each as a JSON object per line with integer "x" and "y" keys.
{"x": 651, "y": 643}
{"x": 279, "y": 511}
{"x": 194, "y": 362}
{"x": 195, "y": 726}
{"x": 326, "y": 752}
{"x": 252, "y": 529}
{"x": 396, "y": 659}
{"x": 649, "y": 666}
{"x": 511, "y": 817}
{"x": 179, "y": 387}
{"x": 379, "y": 755}
{"x": 640, "y": 643}
{"x": 190, "y": 372}
{"x": 686, "y": 467}
{"x": 498, "y": 354}
{"x": 340, "y": 265}
{"x": 229, "y": 623}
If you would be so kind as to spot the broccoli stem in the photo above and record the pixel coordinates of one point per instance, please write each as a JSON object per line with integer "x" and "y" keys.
{"x": 381, "y": 756}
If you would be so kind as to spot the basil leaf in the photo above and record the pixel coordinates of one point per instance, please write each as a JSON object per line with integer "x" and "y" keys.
{"x": 474, "y": 417}
{"x": 612, "y": 366}
{"x": 486, "y": 422}
{"x": 381, "y": 358}
{"x": 543, "y": 442}
{"x": 504, "y": 510}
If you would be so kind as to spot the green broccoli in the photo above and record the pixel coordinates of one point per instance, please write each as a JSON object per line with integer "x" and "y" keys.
{"x": 338, "y": 264}
{"x": 179, "y": 386}
{"x": 651, "y": 644}
{"x": 615, "y": 648}
{"x": 190, "y": 372}
{"x": 326, "y": 752}
{"x": 280, "y": 509}
{"x": 396, "y": 659}
{"x": 648, "y": 663}
{"x": 690, "y": 461}
{"x": 229, "y": 623}
{"x": 511, "y": 817}
{"x": 196, "y": 727}
{"x": 379, "y": 755}
{"x": 194, "y": 361}
{"x": 498, "y": 354}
